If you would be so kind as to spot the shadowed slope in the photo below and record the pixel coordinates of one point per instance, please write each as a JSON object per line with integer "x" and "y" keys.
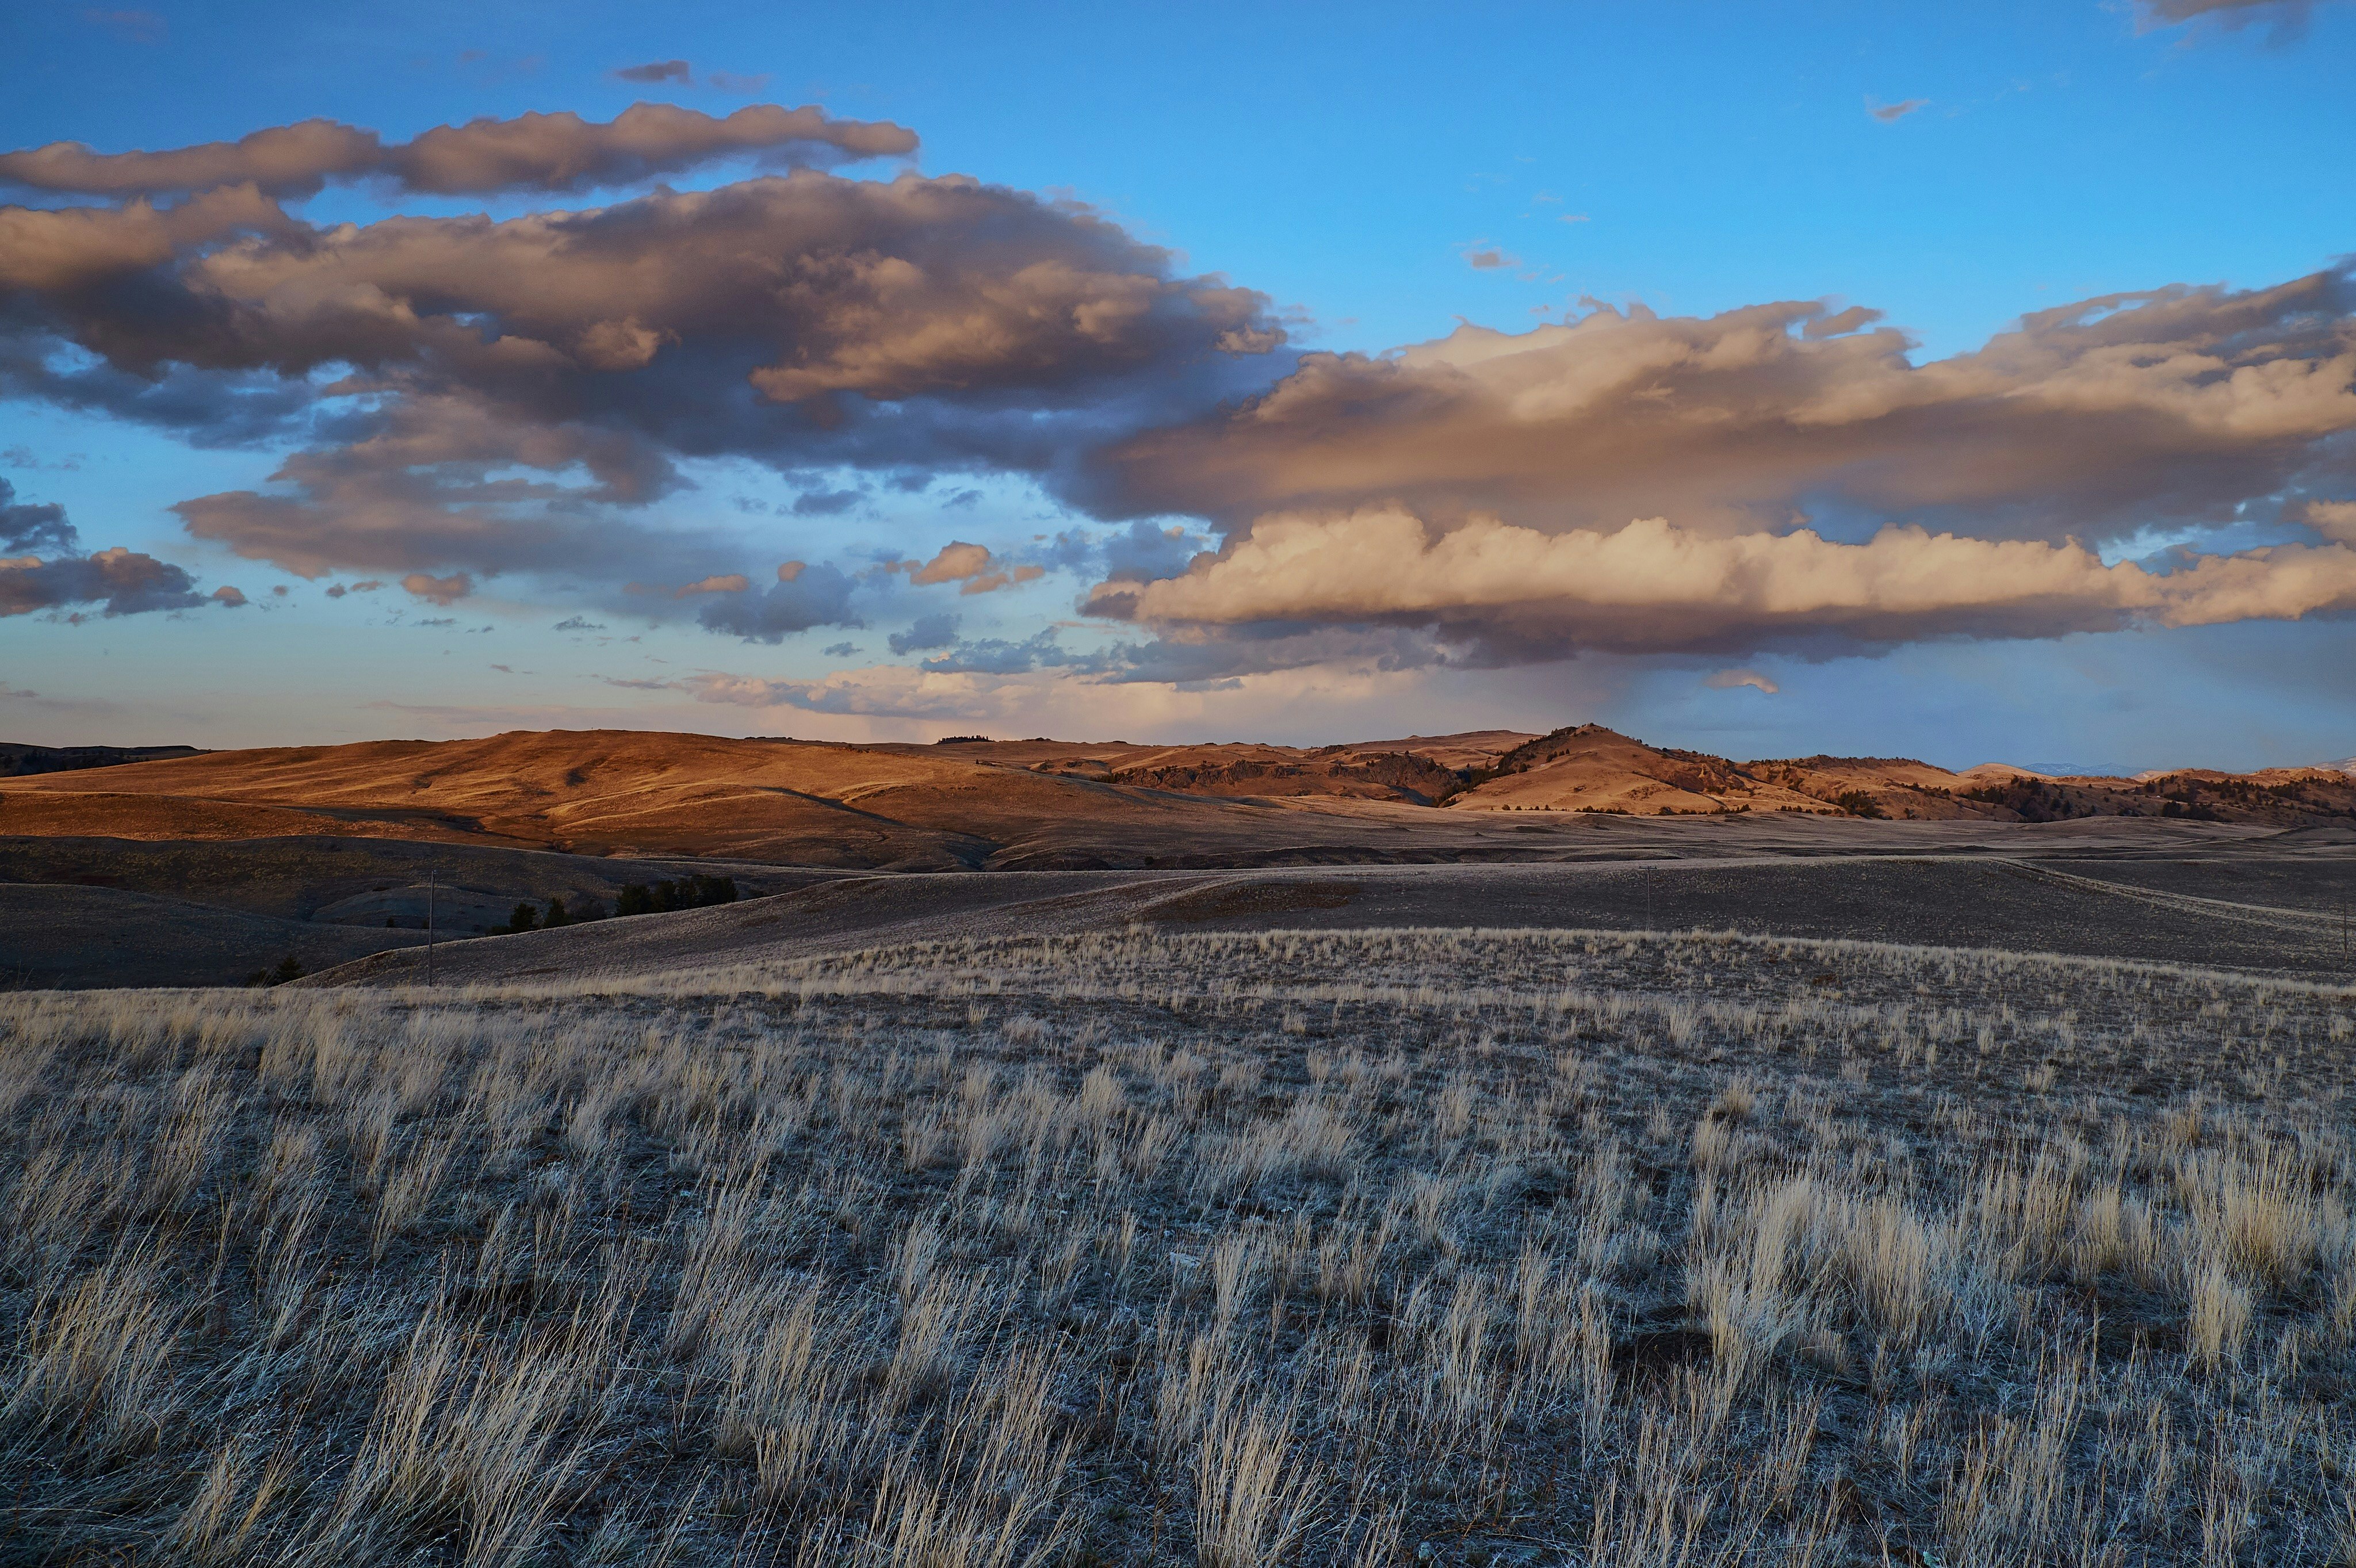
{"x": 1977, "y": 901}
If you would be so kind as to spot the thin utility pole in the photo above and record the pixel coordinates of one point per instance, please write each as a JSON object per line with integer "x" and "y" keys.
{"x": 429, "y": 927}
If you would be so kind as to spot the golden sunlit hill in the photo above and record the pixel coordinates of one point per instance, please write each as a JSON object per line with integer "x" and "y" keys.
{"x": 780, "y": 801}
{"x": 210, "y": 867}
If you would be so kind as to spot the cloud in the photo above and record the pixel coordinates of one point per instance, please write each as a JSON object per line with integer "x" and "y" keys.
{"x": 440, "y": 590}
{"x": 803, "y": 597}
{"x": 840, "y": 649}
{"x": 26, "y": 528}
{"x": 24, "y": 457}
{"x": 638, "y": 685}
{"x": 1041, "y": 699}
{"x": 1890, "y": 114}
{"x": 2091, "y": 421}
{"x": 1513, "y": 593}
{"x": 484, "y": 396}
{"x": 560, "y": 152}
{"x": 1488, "y": 258}
{"x": 929, "y": 631}
{"x": 825, "y": 503}
{"x": 886, "y": 691}
{"x": 2289, "y": 19}
{"x": 228, "y": 598}
{"x": 2333, "y": 519}
{"x": 958, "y": 561}
{"x": 656, "y": 70}
{"x": 41, "y": 567}
{"x": 125, "y": 581}
{"x": 576, "y": 623}
{"x": 970, "y": 564}
{"x": 1001, "y": 656}
{"x": 1144, "y": 551}
{"x": 1734, "y": 680}
{"x": 729, "y": 582}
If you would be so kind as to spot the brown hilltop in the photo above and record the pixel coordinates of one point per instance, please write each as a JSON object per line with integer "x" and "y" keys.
{"x": 1586, "y": 767}
{"x": 782, "y": 801}
{"x": 1038, "y": 803}
{"x": 1420, "y": 770}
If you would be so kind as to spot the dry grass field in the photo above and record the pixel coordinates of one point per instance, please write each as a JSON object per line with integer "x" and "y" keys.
{"x": 1222, "y": 1249}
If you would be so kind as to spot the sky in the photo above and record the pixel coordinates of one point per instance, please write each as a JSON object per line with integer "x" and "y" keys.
{"x": 1968, "y": 383}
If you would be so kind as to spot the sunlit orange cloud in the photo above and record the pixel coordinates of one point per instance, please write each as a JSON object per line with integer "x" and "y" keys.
{"x": 1653, "y": 587}
{"x": 2088, "y": 421}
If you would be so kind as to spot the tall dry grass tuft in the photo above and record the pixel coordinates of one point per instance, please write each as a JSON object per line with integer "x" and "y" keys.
{"x": 1314, "y": 1248}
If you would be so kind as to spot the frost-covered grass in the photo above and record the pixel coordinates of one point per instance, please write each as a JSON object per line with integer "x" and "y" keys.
{"x": 1467, "y": 1247}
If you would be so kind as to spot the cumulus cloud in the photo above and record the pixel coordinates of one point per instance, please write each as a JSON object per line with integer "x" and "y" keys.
{"x": 1735, "y": 680}
{"x": 958, "y": 561}
{"x": 972, "y": 565}
{"x": 1653, "y": 587}
{"x": 1489, "y": 258}
{"x": 560, "y": 152}
{"x": 51, "y": 574}
{"x": 28, "y": 529}
{"x": 508, "y": 395}
{"x": 2333, "y": 519}
{"x": 124, "y": 582}
{"x": 439, "y": 590}
{"x": 929, "y": 631}
{"x": 803, "y": 596}
{"x": 2090, "y": 421}
{"x": 228, "y": 598}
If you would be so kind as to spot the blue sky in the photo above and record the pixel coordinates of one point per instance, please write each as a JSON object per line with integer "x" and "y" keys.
{"x": 1354, "y": 166}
